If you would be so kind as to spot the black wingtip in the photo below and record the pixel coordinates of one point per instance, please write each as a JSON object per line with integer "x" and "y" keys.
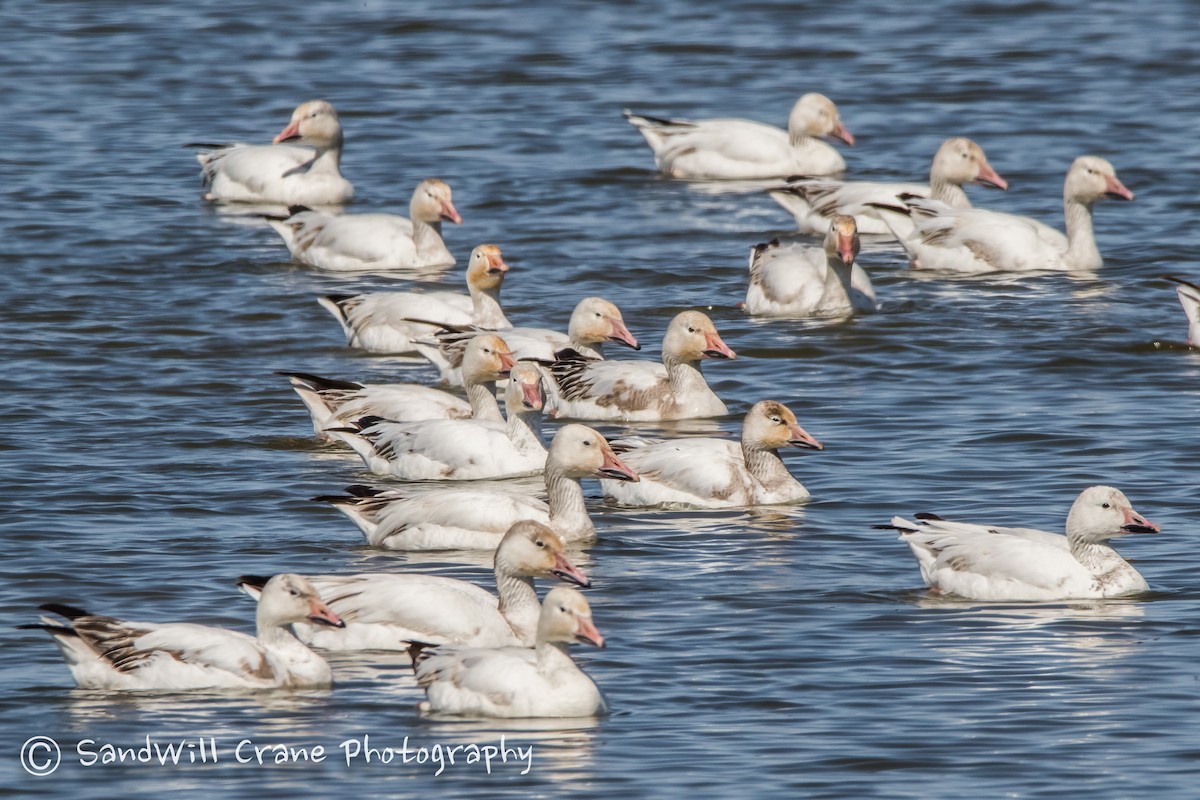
{"x": 63, "y": 610}
{"x": 927, "y": 515}
{"x": 253, "y": 581}
{"x": 417, "y": 652}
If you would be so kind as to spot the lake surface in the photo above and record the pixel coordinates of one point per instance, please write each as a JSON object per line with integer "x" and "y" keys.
{"x": 152, "y": 456}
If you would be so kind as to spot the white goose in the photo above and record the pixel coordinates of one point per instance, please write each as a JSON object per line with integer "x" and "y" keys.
{"x": 387, "y": 322}
{"x": 385, "y": 611}
{"x": 975, "y": 240}
{"x": 331, "y": 403}
{"x": 740, "y": 149}
{"x": 539, "y": 681}
{"x": 718, "y": 473}
{"x": 814, "y": 202}
{"x": 357, "y": 242}
{"x": 641, "y": 391}
{"x": 283, "y": 173}
{"x": 981, "y": 562}
{"x": 796, "y": 281}
{"x": 594, "y": 322}
{"x": 471, "y": 519}
{"x": 110, "y": 653}
{"x": 1189, "y": 298}
{"x": 459, "y": 449}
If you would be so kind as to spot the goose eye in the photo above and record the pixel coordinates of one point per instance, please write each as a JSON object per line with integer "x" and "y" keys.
{"x": 293, "y": 592}
{"x": 587, "y": 442}
{"x": 1105, "y": 505}
{"x": 691, "y": 330}
{"x": 777, "y": 420}
{"x": 540, "y": 543}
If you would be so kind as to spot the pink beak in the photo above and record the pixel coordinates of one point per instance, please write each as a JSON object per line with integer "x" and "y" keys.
{"x": 1136, "y": 523}
{"x": 840, "y": 132}
{"x": 450, "y": 213}
{"x": 496, "y": 264}
{"x": 1115, "y": 189}
{"x": 588, "y": 634}
{"x": 622, "y": 335}
{"x": 565, "y": 570}
{"x": 532, "y": 392}
{"x": 801, "y": 438}
{"x": 715, "y": 348}
{"x": 506, "y": 363}
{"x": 322, "y": 615}
{"x": 288, "y": 134}
{"x": 614, "y": 469}
{"x": 846, "y": 248}
{"x": 989, "y": 177}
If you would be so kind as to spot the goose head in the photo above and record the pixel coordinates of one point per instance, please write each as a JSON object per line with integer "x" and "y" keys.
{"x": 486, "y": 269}
{"x": 841, "y": 241}
{"x": 531, "y": 550}
{"x": 314, "y": 123}
{"x": 960, "y": 161}
{"x": 486, "y": 359}
{"x": 581, "y": 452}
{"x": 432, "y": 203}
{"x": 692, "y": 336}
{"x": 567, "y": 617}
{"x": 1091, "y": 178}
{"x": 524, "y": 391}
{"x": 770, "y": 425}
{"x": 596, "y": 321}
{"x": 815, "y": 115}
{"x": 1101, "y": 513}
{"x": 288, "y": 598}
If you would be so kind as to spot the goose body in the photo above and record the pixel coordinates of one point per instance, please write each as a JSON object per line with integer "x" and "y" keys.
{"x": 110, "y": 653}
{"x": 739, "y": 149}
{"x": 989, "y": 563}
{"x": 283, "y": 173}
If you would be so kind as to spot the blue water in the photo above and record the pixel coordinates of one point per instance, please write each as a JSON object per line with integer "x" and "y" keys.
{"x": 151, "y": 455}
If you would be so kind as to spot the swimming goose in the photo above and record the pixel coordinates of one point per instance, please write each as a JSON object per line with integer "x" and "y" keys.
{"x": 459, "y": 449}
{"x": 331, "y": 403}
{"x": 981, "y": 562}
{"x": 1189, "y": 298}
{"x": 471, "y": 519}
{"x": 814, "y": 202}
{"x": 718, "y": 473}
{"x": 385, "y": 322}
{"x": 346, "y": 242}
{"x": 539, "y": 681}
{"x": 594, "y": 322}
{"x": 741, "y": 149}
{"x": 796, "y": 281}
{"x": 110, "y": 653}
{"x": 640, "y": 391}
{"x": 282, "y": 172}
{"x": 388, "y": 611}
{"x": 975, "y": 240}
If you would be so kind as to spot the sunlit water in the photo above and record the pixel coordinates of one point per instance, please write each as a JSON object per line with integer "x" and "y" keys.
{"x": 152, "y": 455}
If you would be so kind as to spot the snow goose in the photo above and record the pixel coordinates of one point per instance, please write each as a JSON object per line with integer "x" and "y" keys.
{"x": 1189, "y": 298}
{"x": 388, "y": 611}
{"x": 110, "y": 653}
{"x": 331, "y": 403}
{"x": 741, "y": 149}
{"x": 459, "y": 449}
{"x": 976, "y": 240}
{"x": 981, "y": 562}
{"x": 282, "y": 172}
{"x": 594, "y": 322}
{"x": 387, "y": 322}
{"x": 471, "y": 519}
{"x": 539, "y": 681}
{"x": 718, "y": 473}
{"x": 796, "y": 281}
{"x": 357, "y": 242}
{"x": 642, "y": 391}
{"x": 814, "y": 202}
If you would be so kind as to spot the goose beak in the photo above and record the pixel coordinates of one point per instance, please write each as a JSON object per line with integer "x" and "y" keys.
{"x": 289, "y": 134}
{"x": 496, "y": 264}
{"x": 1115, "y": 189}
{"x": 588, "y": 634}
{"x": 621, "y": 335}
{"x": 322, "y": 615}
{"x": 566, "y": 571}
{"x": 531, "y": 394}
{"x": 989, "y": 177}
{"x": 798, "y": 437}
{"x": 715, "y": 348}
{"x": 450, "y": 213}
{"x": 846, "y": 249}
{"x": 1136, "y": 523}
{"x": 507, "y": 362}
{"x": 614, "y": 469}
{"x": 839, "y": 132}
